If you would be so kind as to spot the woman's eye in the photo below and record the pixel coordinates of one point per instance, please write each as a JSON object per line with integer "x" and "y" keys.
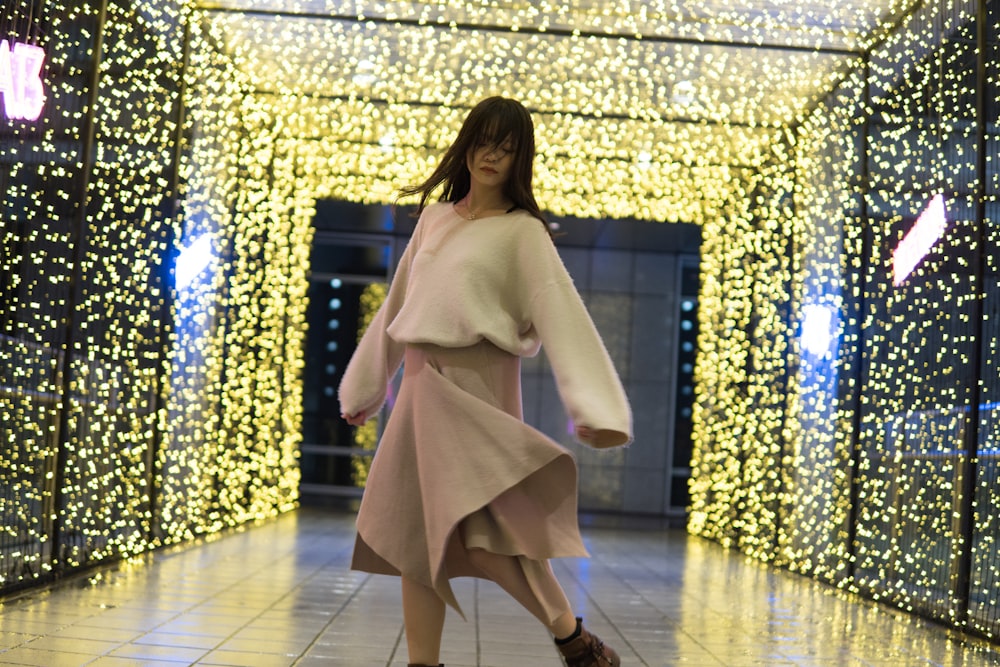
{"x": 499, "y": 151}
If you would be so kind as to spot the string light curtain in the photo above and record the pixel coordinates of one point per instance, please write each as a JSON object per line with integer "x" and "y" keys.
{"x": 824, "y": 335}
{"x": 152, "y": 317}
{"x": 84, "y": 232}
{"x": 742, "y": 368}
{"x": 628, "y": 124}
{"x": 885, "y": 474}
{"x": 31, "y": 341}
{"x": 235, "y": 401}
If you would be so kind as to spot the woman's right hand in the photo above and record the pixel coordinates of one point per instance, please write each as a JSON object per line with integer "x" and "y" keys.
{"x": 357, "y": 419}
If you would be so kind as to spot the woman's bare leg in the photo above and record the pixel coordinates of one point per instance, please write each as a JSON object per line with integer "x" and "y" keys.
{"x": 563, "y": 626}
{"x": 507, "y": 573}
{"x": 423, "y": 617}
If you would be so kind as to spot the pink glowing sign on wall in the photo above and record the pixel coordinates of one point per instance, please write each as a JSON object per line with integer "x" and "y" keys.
{"x": 21, "y": 80}
{"x": 926, "y": 231}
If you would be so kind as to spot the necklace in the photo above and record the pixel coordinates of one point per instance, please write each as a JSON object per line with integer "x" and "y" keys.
{"x": 470, "y": 214}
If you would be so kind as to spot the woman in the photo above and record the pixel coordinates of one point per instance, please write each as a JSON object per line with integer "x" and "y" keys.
{"x": 460, "y": 486}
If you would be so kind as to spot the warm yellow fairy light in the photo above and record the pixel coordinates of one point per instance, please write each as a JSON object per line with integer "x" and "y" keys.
{"x": 599, "y": 102}
{"x": 241, "y": 464}
{"x": 136, "y": 428}
{"x": 366, "y": 436}
{"x": 779, "y": 428}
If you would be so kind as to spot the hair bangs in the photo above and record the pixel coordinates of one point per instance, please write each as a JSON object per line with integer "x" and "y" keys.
{"x": 497, "y": 131}
{"x": 499, "y": 123}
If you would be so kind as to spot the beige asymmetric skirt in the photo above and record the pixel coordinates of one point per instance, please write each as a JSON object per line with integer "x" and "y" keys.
{"x": 458, "y": 469}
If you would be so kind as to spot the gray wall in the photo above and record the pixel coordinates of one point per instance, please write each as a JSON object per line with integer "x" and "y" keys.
{"x": 634, "y": 299}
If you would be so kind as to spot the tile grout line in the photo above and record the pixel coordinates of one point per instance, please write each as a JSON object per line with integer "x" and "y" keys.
{"x": 191, "y": 609}
{"x": 652, "y": 605}
{"x": 350, "y": 598}
{"x": 601, "y": 610}
{"x": 395, "y": 647}
{"x": 475, "y": 611}
{"x": 295, "y": 550}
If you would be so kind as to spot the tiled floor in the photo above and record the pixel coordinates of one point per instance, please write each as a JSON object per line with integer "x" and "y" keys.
{"x": 281, "y": 594}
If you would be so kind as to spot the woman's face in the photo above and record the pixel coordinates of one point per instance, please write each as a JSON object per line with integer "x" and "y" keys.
{"x": 490, "y": 164}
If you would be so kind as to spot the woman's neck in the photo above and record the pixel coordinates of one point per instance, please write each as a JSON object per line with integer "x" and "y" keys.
{"x": 483, "y": 202}
{"x": 486, "y": 199}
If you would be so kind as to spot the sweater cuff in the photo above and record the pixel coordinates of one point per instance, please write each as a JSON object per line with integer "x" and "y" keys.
{"x": 606, "y": 438}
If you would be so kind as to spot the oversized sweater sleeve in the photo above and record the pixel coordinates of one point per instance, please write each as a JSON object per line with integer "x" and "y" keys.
{"x": 588, "y": 383}
{"x": 377, "y": 357}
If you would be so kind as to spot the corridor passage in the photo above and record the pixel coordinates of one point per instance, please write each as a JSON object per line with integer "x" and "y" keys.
{"x": 281, "y": 594}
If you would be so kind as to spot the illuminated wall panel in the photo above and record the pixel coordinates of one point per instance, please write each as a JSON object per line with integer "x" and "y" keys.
{"x": 984, "y": 597}
{"x": 739, "y": 413}
{"x": 885, "y": 465}
{"x": 117, "y": 290}
{"x": 911, "y": 437}
{"x": 82, "y": 298}
{"x": 133, "y": 411}
{"x": 235, "y": 401}
{"x": 817, "y": 472}
{"x": 718, "y": 413}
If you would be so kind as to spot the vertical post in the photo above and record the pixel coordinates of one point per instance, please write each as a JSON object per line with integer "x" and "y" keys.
{"x": 966, "y": 520}
{"x": 78, "y": 235}
{"x": 854, "y": 491}
{"x": 791, "y": 250}
{"x": 166, "y": 311}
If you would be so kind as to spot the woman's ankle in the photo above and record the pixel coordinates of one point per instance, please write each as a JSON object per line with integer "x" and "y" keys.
{"x": 566, "y": 628}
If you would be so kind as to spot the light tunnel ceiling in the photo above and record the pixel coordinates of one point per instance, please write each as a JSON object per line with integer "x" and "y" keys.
{"x": 651, "y": 110}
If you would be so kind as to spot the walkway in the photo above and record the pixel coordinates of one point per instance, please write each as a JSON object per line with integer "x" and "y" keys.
{"x": 280, "y": 595}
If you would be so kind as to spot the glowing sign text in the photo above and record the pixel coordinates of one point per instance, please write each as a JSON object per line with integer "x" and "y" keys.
{"x": 926, "y": 231}
{"x": 21, "y": 80}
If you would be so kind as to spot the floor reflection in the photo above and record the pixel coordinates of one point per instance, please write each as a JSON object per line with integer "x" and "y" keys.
{"x": 280, "y": 595}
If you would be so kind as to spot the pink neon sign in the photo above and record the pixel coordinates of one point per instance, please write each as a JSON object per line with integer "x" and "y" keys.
{"x": 925, "y": 232}
{"x": 21, "y": 80}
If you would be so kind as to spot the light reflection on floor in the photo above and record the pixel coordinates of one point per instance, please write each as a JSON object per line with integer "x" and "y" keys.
{"x": 280, "y": 595}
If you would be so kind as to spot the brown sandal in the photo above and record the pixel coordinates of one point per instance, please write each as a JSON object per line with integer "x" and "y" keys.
{"x": 583, "y": 649}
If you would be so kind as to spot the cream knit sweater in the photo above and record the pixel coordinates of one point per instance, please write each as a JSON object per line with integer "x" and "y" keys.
{"x": 500, "y": 279}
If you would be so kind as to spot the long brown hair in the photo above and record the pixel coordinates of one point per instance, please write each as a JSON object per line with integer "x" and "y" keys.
{"x": 493, "y": 122}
